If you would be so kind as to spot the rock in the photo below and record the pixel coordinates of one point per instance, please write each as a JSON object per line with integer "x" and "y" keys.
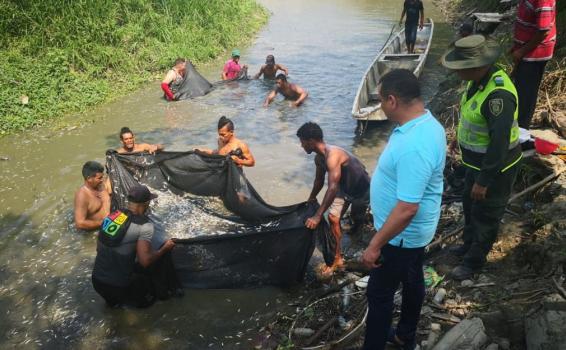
{"x": 426, "y": 310}
{"x": 431, "y": 340}
{"x": 492, "y": 346}
{"x": 468, "y": 334}
{"x": 555, "y": 302}
{"x": 560, "y": 123}
{"x": 484, "y": 279}
{"x": 545, "y": 330}
{"x": 467, "y": 283}
{"x": 435, "y": 327}
{"x": 303, "y": 332}
{"x": 439, "y": 296}
{"x": 504, "y": 343}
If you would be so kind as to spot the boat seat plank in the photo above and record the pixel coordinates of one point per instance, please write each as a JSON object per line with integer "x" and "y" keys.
{"x": 401, "y": 56}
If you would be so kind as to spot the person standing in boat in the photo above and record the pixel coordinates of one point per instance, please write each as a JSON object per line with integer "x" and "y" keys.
{"x": 290, "y": 91}
{"x": 174, "y": 78}
{"x": 348, "y": 184}
{"x": 270, "y": 68}
{"x": 412, "y": 9}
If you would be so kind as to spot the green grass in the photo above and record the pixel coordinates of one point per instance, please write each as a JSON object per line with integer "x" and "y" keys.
{"x": 68, "y": 55}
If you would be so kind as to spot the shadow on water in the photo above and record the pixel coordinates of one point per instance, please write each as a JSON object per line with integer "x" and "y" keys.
{"x": 46, "y": 297}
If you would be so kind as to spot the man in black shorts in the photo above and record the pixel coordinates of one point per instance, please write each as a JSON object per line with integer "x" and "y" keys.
{"x": 412, "y": 8}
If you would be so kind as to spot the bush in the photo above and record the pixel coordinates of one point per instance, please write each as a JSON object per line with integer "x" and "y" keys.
{"x": 67, "y": 55}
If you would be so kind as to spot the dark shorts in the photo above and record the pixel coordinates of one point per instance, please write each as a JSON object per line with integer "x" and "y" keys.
{"x": 411, "y": 33}
{"x": 138, "y": 294}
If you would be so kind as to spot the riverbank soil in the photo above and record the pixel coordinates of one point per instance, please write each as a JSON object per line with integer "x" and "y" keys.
{"x": 519, "y": 300}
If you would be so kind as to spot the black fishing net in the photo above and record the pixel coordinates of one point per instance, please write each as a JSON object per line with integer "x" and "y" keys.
{"x": 236, "y": 240}
{"x": 195, "y": 85}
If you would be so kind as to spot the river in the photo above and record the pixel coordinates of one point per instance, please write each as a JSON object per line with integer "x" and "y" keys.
{"x": 46, "y": 298}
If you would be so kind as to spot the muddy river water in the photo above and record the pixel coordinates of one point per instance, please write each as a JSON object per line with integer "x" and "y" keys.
{"x": 46, "y": 297}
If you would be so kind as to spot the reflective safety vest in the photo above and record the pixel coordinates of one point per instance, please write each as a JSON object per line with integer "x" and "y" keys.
{"x": 473, "y": 130}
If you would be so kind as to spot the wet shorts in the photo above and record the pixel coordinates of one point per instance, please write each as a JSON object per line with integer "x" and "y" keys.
{"x": 342, "y": 202}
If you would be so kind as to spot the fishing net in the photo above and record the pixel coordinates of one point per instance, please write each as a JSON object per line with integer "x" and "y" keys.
{"x": 226, "y": 234}
{"x": 195, "y": 85}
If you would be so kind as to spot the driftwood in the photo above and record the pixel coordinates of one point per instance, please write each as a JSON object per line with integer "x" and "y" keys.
{"x": 321, "y": 331}
{"x": 446, "y": 317}
{"x": 443, "y": 238}
{"x": 321, "y": 293}
{"x": 538, "y": 185}
{"x": 469, "y": 334}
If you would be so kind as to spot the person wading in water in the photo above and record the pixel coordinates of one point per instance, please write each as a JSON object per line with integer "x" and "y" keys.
{"x": 129, "y": 143}
{"x": 174, "y": 78}
{"x": 92, "y": 199}
{"x": 270, "y": 68}
{"x": 229, "y": 144}
{"x": 290, "y": 91}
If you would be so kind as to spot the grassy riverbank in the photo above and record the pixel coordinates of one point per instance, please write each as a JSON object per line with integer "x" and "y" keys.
{"x": 61, "y": 57}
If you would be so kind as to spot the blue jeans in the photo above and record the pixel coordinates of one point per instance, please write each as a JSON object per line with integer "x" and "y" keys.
{"x": 401, "y": 265}
{"x": 411, "y": 33}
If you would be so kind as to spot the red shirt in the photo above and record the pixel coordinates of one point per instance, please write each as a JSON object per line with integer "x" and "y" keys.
{"x": 232, "y": 69}
{"x": 532, "y": 16}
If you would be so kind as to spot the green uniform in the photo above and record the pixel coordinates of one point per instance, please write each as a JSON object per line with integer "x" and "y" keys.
{"x": 488, "y": 136}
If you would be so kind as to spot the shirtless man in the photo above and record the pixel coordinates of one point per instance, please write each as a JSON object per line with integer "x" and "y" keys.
{"x": 129, "y": 145}
{"x": 270, "y": 68}
{"x": 228, "y": 144}
{"x": 173, "y": 78}
{"x": 348, "y": 184}
{"x": 92, "y": 199}
{"x": 290, "y": 91}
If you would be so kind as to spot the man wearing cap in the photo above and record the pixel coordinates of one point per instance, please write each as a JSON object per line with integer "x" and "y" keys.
{"x": 232, "y": 67}
{"x": 124, "y": 238}
{"x": 270, "y": 68}
{"x": 488, "y": 137}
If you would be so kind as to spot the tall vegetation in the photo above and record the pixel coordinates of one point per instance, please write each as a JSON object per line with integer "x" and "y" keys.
{"x": 61, "y": 56}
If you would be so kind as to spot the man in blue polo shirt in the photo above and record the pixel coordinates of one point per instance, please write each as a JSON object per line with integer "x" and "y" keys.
{"x": 405, "y": 195}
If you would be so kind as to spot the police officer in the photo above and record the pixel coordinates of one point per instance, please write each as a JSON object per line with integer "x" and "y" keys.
{"x": 488, "y": 138}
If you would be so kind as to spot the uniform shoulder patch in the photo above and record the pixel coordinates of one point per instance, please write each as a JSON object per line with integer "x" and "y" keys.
{"x": 496, "y": 106}
{"x": 499, "y": 81}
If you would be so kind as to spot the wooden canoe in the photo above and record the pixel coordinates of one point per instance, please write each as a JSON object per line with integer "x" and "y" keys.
{"x": 367, "y": 106}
